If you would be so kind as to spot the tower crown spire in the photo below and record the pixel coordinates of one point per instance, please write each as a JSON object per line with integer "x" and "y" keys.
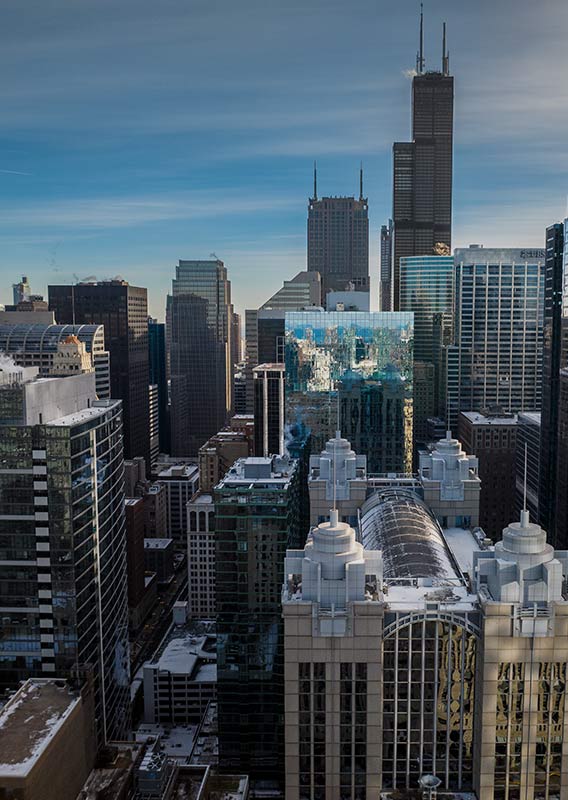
{"x": 315, "y": 180}
{"x": 420, "y": 54}
{"x": 445, "y": 54}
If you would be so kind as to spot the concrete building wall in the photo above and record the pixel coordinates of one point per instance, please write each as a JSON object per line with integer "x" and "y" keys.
{"x": 361, "y": 646}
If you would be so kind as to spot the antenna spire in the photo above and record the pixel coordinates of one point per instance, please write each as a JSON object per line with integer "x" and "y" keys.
{"x": 315, "y": 180}
{"x": 445, "y": 54}
{"x": 361, "y": 181}
{"x": 420, "y": 62}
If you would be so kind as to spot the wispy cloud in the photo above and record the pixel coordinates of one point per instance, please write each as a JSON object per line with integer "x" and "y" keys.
{"x": 14, "y": 172}
{"x": 121, "y": 212}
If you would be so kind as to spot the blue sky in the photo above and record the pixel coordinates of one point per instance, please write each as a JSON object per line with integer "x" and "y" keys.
{"x": 135, "y": 133}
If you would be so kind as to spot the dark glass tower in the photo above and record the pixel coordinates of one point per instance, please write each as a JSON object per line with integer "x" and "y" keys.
{"x": 257, "y": 516}
{"x": 553, "y": 360}
{"x": 123, "y": 310}
{"x": 338, "y": 241}
{"x": 158, "y": 376}
{"x": 422, "y": 171}
{"x": 385, "y": 292}
{"x": 63, "y": 575}
{"x": 200, "y": 354}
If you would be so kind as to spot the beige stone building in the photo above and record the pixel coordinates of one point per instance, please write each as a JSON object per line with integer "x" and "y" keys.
{"x": 415, "y": 649}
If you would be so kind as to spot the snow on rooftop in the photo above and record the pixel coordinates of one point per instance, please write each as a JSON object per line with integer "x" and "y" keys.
{"x": 30, "y": 720}
{"x": 176, "y": 741}
{"x": 463, "y": 545}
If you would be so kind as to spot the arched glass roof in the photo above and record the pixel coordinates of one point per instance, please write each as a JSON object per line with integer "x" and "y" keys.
{"x": 399, "y": 524}
{"x": 29, "y": 338}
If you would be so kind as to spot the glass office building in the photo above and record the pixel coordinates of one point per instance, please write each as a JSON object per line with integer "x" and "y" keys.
{"x": 63, "y": 583}
{"x": 352, "y": 371}
{"x": 427, "y": 288}
{"x": 257, "y": 517}
{"x": 498, "y": 333}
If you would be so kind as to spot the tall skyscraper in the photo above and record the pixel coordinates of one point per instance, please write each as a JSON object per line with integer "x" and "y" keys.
{"x": 498, "y": 330}
{"x": 352, "y": 371}
{"x": 554, "y": 358}
{"x": 338, "y": 240}
{"x": 385, "y": 288}
{"x": 123, "y": 311}
{"x": 63, "y": 584}
{"x": 422, "y": 170}
{"x": 257, "y": 517}
{"x": 158, "y": 376}
{"x": 427, "y": 289}
{"x": 200, "y": 354}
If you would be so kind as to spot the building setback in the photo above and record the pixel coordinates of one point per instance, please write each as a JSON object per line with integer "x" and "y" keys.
{"x": 123, "y": 311}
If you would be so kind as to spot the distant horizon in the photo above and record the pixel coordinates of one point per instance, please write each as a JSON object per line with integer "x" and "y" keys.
{"x": 134, "y": 136}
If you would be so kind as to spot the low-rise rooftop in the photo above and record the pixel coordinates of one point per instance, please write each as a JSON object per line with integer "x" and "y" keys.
{"x": 30, "y": 720}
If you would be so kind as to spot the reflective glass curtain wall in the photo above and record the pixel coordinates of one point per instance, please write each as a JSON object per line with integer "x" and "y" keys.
{"x": 352, "y": 371}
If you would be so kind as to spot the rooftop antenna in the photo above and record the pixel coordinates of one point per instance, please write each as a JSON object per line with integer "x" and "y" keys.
{"x": 420, "y": 63}
{"x": 361, "y": 181}
{"x": 445, "y": 54}
{"x": 524, "y": 512}
{"x": 315, "y": 180}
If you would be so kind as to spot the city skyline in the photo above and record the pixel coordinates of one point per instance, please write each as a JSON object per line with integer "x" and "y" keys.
{"x": 127, "y": 176}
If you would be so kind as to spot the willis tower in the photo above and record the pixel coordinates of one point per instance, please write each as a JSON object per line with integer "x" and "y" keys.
{"x": 422, "y": 168}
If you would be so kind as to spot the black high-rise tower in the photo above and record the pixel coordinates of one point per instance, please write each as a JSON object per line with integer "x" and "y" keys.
{"x": 422, "y": 168}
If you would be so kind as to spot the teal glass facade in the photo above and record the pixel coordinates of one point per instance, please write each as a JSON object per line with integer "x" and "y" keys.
{"x": 352, "y": 370}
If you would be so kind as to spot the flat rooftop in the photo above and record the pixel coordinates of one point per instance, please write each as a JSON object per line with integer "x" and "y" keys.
{"x": 30, "y": 720}
{"x": 186, "y": 649}
{"x": 257, "y": 472}
{"x": 157, "y": 544}
{"x": 181, "y": 471}
{"x": 176, "y": 741}
{"x": 476, "y": 418}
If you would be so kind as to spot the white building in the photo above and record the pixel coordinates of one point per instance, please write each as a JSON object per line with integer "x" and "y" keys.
{"x": 201, "y": 557}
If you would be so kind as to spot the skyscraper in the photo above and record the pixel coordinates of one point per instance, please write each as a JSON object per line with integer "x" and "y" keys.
{"x": 200, "y": 355}
{"x": 338, "y": 240}
{"x": 554, "y": 358}
{"x": 63, "y": 585}
{"x": 158, "y": 376}
{"x": 498, "y": 330}
{"x": 422, "y": 170}
{"x": 427, "y": 289}
{"x": 385, "y": 289}
{"x": 257, "y": 517}
{"x": 123, "y": 310}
